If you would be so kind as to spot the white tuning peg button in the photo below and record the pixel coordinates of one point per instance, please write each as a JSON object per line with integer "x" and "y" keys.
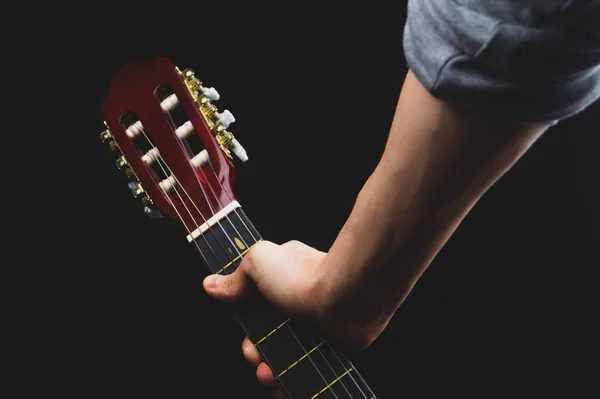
{"x": 211, "y": 93}
{"x": 226, "y": 118}
{"x": 239, "y": 151}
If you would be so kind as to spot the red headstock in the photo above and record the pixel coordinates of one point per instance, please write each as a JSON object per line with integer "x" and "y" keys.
{"x": 171, "y": 140}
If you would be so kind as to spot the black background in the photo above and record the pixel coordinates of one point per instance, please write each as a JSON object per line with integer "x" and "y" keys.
{"x": 101, "y": 301}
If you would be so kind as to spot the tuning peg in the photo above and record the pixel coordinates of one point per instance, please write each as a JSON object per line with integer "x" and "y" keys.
{"x": 238, "y": 150}
{"x": 229, "y": 143}
{"x": 211, "y": 93}
{"x": 226, "y": 118}
{"x": 152, "y": 213}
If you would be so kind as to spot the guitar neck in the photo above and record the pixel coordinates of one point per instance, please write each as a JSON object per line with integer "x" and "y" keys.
{"x": 306, "y": 366}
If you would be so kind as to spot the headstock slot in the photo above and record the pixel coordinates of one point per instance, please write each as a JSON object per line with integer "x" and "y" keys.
{"x": 182, "y": 126}
{"x": 147, "y": 152}
{"x": 135, "y": 129}
{"x": 136, "y": 99}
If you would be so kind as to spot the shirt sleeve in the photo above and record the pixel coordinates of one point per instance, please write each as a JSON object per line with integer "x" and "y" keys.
{"x": 508, "y": 58}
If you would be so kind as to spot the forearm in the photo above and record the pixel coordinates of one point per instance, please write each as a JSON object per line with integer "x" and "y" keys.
{"x": 437, "y": 163}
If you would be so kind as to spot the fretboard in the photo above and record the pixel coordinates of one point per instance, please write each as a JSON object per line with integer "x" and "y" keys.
{"x": 305, "y": 365}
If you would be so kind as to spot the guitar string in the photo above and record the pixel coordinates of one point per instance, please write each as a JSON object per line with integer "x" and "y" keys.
{"x": 346, "y": 371}
{"x": 178, "y": 195}
{"x": 239, "y": 254}
{"x": 192, "y": 216}
{"x": 246, "y": 329}
{"x": 191, "y": 154}
{"x": 193, "y": 203}
{"x": 292, "y": 331}
{"x": 193, "y": 219}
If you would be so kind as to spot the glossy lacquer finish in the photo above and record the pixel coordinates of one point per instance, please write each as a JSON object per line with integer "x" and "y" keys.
{"x": 202, "y": 193}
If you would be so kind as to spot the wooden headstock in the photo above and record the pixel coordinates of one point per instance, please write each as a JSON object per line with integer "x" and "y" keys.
{"x": 171, "y": 141}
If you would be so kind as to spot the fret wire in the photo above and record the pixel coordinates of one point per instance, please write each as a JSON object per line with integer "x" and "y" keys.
{"x": 330, "y": 384}
{"x": 309, "y": 358}
{"x": 229, "y": 224}
{"x": 269, "y": 334}
{"x": 240, "y": 255}
{"x": 234, "y": 259}
{"x": 299, "y": 360}
{"x": 351, "y": 377}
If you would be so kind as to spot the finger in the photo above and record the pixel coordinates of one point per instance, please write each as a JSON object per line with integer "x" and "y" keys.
{"x": 278, "y": 394}
{"x": 265, "y": 375}
{"x": 233, "y": 287}
{"x": 228, "y": 288}
{"x": 250, "y": 352}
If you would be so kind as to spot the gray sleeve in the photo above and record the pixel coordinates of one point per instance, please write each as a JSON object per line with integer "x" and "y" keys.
{"x": 511, "y": 58}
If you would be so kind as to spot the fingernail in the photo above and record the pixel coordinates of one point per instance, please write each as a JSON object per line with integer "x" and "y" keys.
{"x": 213, "y": 281}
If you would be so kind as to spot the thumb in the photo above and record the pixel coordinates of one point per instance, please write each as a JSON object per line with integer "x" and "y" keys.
{"x": 228, "y": 288}
{"x": 242, "y": 282}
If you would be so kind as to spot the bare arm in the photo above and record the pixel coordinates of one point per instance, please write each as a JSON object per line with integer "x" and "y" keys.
{"x": 437, "y": 163}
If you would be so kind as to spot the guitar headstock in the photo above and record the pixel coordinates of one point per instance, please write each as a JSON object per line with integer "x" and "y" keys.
{"x": 171, "y": 141}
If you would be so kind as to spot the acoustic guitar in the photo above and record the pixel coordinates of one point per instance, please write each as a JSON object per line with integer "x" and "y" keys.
{"x": 174, "y": 146}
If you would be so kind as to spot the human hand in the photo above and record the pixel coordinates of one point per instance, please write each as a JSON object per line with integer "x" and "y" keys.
{"x": 292, "y": 276}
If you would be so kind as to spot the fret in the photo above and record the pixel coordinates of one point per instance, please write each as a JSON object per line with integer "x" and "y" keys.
{"x": 272, "y": 332}
{"x": 259, "y": 317}
{"x": 299, "y": 360}
{"x": 312, "y": 372}
{"x": 330, "y": 384}
{"x": 234, "y": 262}
{"x": 320, "y": 368}
{"x": 305, "y": 365}
{"x": 350, "y": 386}
{"x": 226, "y": 241}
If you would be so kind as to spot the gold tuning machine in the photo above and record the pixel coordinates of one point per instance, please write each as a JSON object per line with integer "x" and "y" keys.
{"x": 125, "y": 167}
{"x": 229, "y": 143}
{"x": 218, "y": 122}
{"x": 107, "y": 137}
{"x": 134, "y": 185}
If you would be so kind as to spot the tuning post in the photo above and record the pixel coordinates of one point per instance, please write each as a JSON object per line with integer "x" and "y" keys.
{"x": 168, "y": 184}
{"x": 134, "y": 130}
{"x": 184, "y": 130}
{"x": 151, "y": 156}
{"x": 200, "y": 160}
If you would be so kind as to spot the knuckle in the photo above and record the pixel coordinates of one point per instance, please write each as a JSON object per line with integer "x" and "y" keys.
{"x": 293, "y": 244}
{"x": 255, "y": 253}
